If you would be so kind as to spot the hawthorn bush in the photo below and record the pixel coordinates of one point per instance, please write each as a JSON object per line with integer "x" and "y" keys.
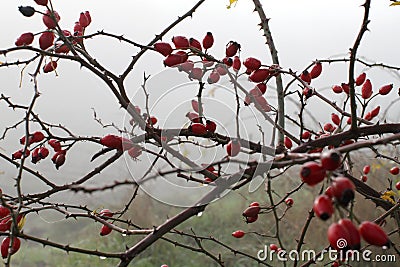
{"x": 205, "y": 126}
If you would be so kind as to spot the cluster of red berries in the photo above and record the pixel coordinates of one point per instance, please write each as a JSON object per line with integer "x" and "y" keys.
{"x": 41, "y": 152}
{"x": 47, "y": 38}
{"x": 5, "y": 226}
{"x": 307, "y": 77}
{"x": 105, "y": 229}
{"x": 121, "y": 143}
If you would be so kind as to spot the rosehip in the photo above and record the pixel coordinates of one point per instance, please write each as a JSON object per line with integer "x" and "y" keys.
{"x": 384, "y": 90}
{"x": 273, "y": 247}
{"x": 186, "y": 66}
{"x": 208, "y": 40}
{"x": 106, "y": 213}
{"x": 238, "y": 234}
{"x": 262, "y": 102}
{"x": 152, "y": 120}
{"x": 173, "y": 60}
{"x": 308, "y": 92}
{"x": 233, "y": 148}
{"x": 355, "y": 240}
{"x": 198, "y": 129}
{"x": 254, "y": 204}
{"x": 305, "y": 135}
{"x": 398, "y": 185}
{"x": 289, "y": 201}
{"x": 193, "y": 117}
{"x": 195, "y": 44}
{"x": 112, "y": 141}
{"x": 316, "y": 70}
{"x": 252, "y": 63}
{"x": 364, "y": 178}
{"x": 236, "y": 64}
{"x": 61, "y": 48}
{"x": 373, "y": 234}
{"x": 232, "y": 48}
{"x": 323, "y": 207}
{"x": 366, "y": 169}
{"x": 227, "y": 61}
{"x": 46, "y": 40}
{"x": 336, "y": 234}
{"x": 221, "y": 70}
{"x": 288, "y": 143}
{"x": 59, "y": 160}
{"x": 48, "y": 19}
{"x": 366, "y": 89}
{"x": 251, "y": 211}
{"x": 211, "y": 126}
{"x": 331, "y": 160}
{"x": 105, "y": 230}
{"x": 259, "y": 75}
{"x": 375, "y": 111}
{"x": 329, "y": 127}
{"x": 56, "y": 145}
{"x": 43, "y": 153}
{"x": 180, "y": 42}
{"x": 207, "y": 63}
{"x": 251, "y": 219}
{"x": 335, "y": 119}
{"x": 346, "y": 88}
{"x": 343, "y": 190}
{"x": 49, "y": 67}
{"x": 305, "y": 76}
{"x": 196, "y": 74}
{"x": 88, "y": 16}
{"x": 368, "y": 116}
{"x": 41, "y": 2}
{"x": 83, "y": 20}
{"x": 27, "y": 11}
{"x": 213, "y": 77}
{"x": 25, "y": 39}
{"x": 35, "y": 156}
{"x": 4, "y": 212}
{"x": 329, "y": 191}
{"x": 135, "y": 151}
{"x": 5, "y": 245}
{"x": 360, "y": 79}
{"x": 312, "y": 173}
{"x": 262, "y": 87}
{"x": 19, "y": 153}
{"x": 164, "y": 49}
{"x": 394, "y": 170}
{"x": 195, "y": 105}
{"x": 78, "y": 27}
{"x": 337, "y": 89}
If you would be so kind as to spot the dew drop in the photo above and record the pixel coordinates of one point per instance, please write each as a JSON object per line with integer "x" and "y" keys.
{"x": 199, "y": 214}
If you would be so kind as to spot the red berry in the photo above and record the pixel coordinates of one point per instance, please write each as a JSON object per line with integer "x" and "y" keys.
{"x": 262, "y": 102}
{"x": 312, "y": 173}
{"x": 207, "y": 63}
{"x": 37, "y": 137}
{"x": 262, "y": 87}
{"x": 173, "y": 60}
{"x": 251, "y": 219}
{"x": 61, "y": 48}
{"x": 331, "y": 160}
{"x": 135, "y": 151}
{"x": 375, "y": 111}
{"x": 337, "y": 89}
{"x": 364, "y": 178}
{"x": 323, "y": 207}
{"x": 328, "y": 127}
{"x": 373, "y": 234}
{"x": 236, "y": 64}
{"x": 251, "y": 211}
{"x": 360, "y": 79}
{"x": 208, "y": 40}
{"x": 180, "y": 42}
{"x": 355, "y": 239}
{"x": 227, "y": 61}
{"x": 346, "y": 88}
{"x": 398, "y": 185}
{"x": 238, "y": 234}
{"x": 343, "y": 190}
{"x": 232, "y": 48}
{"x": 222, "y": 70}
{"x": 198, "y": 129}
{"x": 394, "y": 170}
{"x": 4, "y": 212}
{"x": 41, "y": 2}
{"x": 196, "y": 74}
{"x": 366, "y": 169}
{"x": 78, "y": 27}
{"x": 83, "y": 20}
{"x": 106, "y": 213}
{"x": 252, "y": 63}
{"x": 163, "y": 48}
{"x": 213, "y": 78}
{"x": 259, "y": 75}
{"x": 384, "y": 90}
{"x": 59, "y": 160}
{"x": 366, "y": 89}
{"x": 307, "y": 92}
{"x": 35, "y": 156}
{"x": 195, "y": 105}
{"x": 49, "y": 67}
{"x": 305, "y": 135}
{"x": 193, "y": 117}
{"x": 338, "y": 236}
{"x": 17, "y": 155}
{"x": 46, "y": 40}
{"x": 289, "y": 201}
{"x": 43, "y": 152}
{"x": 186, "y": 66}
{"x": 56, "y": 145}
{"x": 25, "y": 39}
{"x": 233, "y": 148}
{"x": 195, "y": 44}
{"x": 288, "y": 143}
{"x": 368, "y": 116}
{"x": 152, "y": 120}
{"x": 5, "y": 245}
{"x": 112, "y": 141}
{"x": 316, "y": 70}
{"x": 329, "y": 191}
{"x": 254, "y": 204}
{"x": 48, "y": 20}
{"x": 105, "y": 230}
{"x": 211, "y": 126}
{"x": 273, "y": 247}
{"x": 88, "y": 16}
{"x": 306, "y": 77}
{"x": 335, "y": 119}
